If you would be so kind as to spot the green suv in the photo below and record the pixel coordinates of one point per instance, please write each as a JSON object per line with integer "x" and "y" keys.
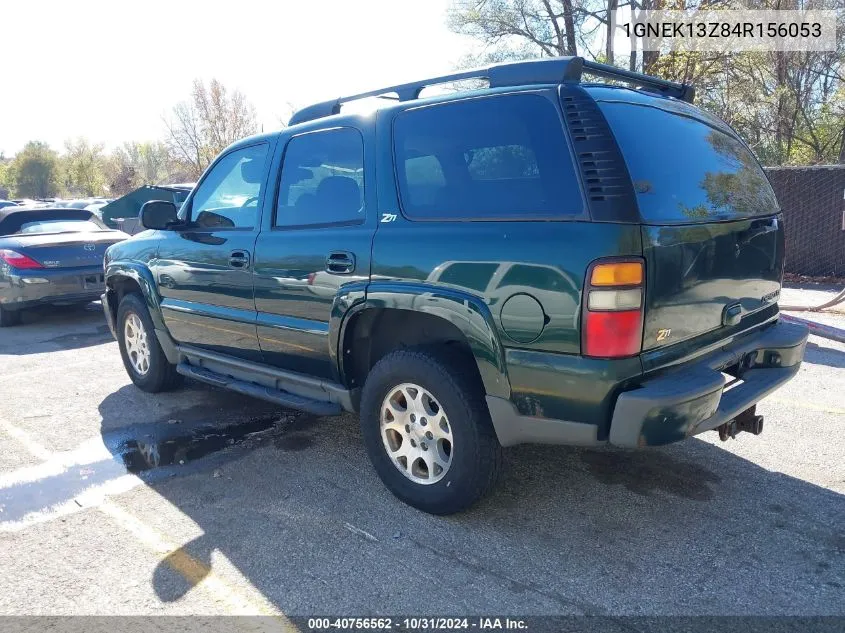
{"x": 543, "y": 260}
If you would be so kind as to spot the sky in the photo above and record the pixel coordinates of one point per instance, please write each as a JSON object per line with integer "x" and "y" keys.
{"x": 110, "y": 71}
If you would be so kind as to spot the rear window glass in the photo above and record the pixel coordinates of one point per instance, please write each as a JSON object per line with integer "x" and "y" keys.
{"x": 502, "y": 157}
{"x": 60, "y": 226}
{"x": 686, "y": 169}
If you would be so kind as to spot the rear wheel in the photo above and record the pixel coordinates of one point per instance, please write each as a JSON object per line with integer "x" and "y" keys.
{"x": 9, "y": 317}
{"x": 142, "y": 355}
{"x": 427, "y": 430}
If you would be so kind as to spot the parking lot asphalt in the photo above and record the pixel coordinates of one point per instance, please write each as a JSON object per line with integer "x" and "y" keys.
{"x": 114, "y": 501}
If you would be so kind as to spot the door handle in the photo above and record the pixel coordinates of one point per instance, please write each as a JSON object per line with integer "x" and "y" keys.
{"x": 239, "y": 259}
{"x": 340, "y": 263}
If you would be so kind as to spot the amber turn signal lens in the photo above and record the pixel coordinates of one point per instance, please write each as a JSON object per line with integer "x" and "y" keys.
{"x": 617, "y": 274}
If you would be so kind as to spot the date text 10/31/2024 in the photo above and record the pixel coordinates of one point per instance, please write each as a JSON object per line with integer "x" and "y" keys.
{"x": 417, "y": 624}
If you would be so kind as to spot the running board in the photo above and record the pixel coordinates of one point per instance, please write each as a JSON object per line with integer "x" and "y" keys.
{"x": 282, "y": 398}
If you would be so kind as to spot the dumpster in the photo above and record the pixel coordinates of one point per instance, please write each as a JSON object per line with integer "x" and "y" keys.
{"x": 129, "y": 206}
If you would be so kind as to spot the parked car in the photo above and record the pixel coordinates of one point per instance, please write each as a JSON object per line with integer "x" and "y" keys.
{"x": 7, "y": 203}
{"x": 96, "y": 207}
{"x": 532, "y": 262}
{"x": 30, "y": 203}
{"x": 50, "y": 256}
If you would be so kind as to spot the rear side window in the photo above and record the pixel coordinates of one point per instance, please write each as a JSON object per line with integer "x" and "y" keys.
{"x": 503, "y": 157}
{"x": 686, "y": 169}
{"x": 322, "y": 179}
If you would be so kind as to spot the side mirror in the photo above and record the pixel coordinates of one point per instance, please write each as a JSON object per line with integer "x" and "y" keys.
{"x": 158, "y": 214}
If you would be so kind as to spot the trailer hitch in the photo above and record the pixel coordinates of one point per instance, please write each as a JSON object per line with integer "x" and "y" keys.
{"x": 747, "y": 421}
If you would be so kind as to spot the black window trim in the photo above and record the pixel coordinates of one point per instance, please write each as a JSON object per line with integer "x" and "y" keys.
{"x": 319, "y": 225}
{"x": 188, "y": 204}
{"x": 574, "y": 217}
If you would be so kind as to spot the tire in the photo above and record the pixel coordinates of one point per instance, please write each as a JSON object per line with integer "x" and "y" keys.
{"x": 9, "y": 318}
{"x": 450, "y": 389}
{"x": 156, "y": 374}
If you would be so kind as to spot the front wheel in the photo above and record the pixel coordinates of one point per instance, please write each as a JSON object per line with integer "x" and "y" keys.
{"x": 142, "y": 355}
{"x": 427, "y": 430}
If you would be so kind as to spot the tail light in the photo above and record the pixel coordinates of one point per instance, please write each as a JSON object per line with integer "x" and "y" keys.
{"x": 17, "y": 260}
{"x": 612, "y": 326}
{"x": 311, "y": 277}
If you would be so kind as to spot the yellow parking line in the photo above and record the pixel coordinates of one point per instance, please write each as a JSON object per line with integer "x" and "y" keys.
{"x": 193, "y": 571}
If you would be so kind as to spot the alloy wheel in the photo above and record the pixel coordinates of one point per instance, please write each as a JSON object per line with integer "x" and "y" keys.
{"x": 137, "y": 344}
{"x": 416, "y": 434}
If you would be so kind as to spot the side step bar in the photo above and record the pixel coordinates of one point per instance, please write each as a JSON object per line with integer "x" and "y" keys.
{"x": 282, "y": 398}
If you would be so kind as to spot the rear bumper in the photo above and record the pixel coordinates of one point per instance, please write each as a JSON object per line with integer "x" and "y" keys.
{"x": 692, "y": 398}
{"x": 677, "y": 403}
{"x": 25, "y": 289}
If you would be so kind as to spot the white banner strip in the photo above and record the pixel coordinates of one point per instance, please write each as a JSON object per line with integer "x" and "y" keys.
{"x": 728, "y": 31}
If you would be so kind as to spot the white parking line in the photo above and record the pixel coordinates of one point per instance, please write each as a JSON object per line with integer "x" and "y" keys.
{"x": 196, "y": 573}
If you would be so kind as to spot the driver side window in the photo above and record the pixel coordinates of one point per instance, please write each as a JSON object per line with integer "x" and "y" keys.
{"x": 228, "y": 197}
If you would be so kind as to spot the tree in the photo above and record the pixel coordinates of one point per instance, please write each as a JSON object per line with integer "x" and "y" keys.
{"x": 515, "y": 29}
{"x": 5, "y": 188}
{"x": 35, "y": 171}
{"x": 202, "y": 127}
{"x": 789, "y": 106}
{"x": 83, "y": 168}
{"x": 135, "y": 164}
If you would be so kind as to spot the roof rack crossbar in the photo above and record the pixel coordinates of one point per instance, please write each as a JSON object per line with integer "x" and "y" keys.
{"x": 541, "y": 71}
{"x": 534, "y": 72}
{"x": 684, "y": 92}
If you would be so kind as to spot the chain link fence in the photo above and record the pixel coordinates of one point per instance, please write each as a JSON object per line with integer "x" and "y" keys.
{"x": 813, "y": 203}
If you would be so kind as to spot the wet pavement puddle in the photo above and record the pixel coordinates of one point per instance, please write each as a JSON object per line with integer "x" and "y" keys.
{"x": 139, "y": 454}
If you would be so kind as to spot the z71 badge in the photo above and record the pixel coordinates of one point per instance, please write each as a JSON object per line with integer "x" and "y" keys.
{"x": 663, "y": 334}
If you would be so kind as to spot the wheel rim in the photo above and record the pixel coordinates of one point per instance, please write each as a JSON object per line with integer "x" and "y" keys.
{"x": 416, "y": 434}
{"x": 137, "y": 345}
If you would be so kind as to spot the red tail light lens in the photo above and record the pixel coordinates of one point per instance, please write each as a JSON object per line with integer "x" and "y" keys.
{"x": 612, "y": 326}
{"x": 16, "y": 260}
{"x": 613, "y": 334}
{"x": 311, "y": 277}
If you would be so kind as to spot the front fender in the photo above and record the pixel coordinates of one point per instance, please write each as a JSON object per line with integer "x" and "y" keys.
{"x": 143, "y": 276}
{"x": 467, "y": 312}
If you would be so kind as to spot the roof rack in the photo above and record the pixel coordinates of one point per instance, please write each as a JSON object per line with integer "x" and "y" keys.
{"x": 540, "y": 71}
{"x": 684, "y": 92}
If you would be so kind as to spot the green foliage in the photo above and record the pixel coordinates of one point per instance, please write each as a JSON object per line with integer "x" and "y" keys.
{"x": 5, "y": 187}
{"x": 83, "y": 168}
{"x": 35, "y": 172}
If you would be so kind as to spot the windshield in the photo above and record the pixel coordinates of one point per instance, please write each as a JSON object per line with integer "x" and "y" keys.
{"x": 59, "y": 226}
{"x": 685, "y": 165}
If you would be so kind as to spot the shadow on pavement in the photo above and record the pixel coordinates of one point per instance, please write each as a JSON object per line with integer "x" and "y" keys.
{"x": 80, "y": 326}
{"x": 818, "y": 355}
{"x": 689, "y": 529}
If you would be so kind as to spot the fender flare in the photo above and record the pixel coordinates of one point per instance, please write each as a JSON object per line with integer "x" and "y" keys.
{"x": 142, "y": 276}
{"x": 465, "y": 311}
